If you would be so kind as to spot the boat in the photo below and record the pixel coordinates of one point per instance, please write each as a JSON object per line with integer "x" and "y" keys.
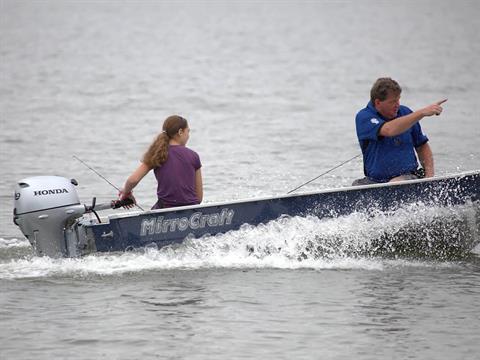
{"x": 50, "y": 215}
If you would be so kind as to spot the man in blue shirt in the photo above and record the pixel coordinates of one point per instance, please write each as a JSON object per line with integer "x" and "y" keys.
{"x": 390, "y": 134}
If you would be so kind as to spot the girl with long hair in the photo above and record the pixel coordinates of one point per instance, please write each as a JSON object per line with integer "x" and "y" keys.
{"x": 176, "y": 167}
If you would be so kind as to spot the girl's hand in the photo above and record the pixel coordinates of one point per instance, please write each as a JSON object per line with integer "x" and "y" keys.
{"x": 123, "y": 196}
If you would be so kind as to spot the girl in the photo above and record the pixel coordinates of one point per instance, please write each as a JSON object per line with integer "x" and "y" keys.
{"x": 176, "y": 167}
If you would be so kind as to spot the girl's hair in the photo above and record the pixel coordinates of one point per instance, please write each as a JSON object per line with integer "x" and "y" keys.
{"x": 157, "y": 153}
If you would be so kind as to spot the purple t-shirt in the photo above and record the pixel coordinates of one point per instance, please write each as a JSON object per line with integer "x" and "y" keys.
{"x": 176, "y": 177}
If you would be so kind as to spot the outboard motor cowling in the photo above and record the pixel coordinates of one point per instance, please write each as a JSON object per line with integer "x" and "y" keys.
{"x": 44, "y": 205}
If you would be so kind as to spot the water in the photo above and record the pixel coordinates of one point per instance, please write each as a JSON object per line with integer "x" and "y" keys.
{"x": 270, "y": 91}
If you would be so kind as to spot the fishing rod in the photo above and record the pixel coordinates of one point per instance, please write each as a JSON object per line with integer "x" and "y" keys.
{"x": 103, "y": 177}
{"x": 326, "y": 172}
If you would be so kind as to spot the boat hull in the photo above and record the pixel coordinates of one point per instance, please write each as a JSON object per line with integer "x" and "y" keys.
{"x": 168, "y": 226}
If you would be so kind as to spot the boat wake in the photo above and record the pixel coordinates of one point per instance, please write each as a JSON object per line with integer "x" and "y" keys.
{"x": 414, "y": 234}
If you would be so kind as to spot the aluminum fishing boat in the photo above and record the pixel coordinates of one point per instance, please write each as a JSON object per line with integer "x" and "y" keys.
{"x": 50, "y": 215}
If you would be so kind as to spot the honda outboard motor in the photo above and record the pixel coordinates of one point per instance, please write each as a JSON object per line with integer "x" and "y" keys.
{"x": 44, "y": 205}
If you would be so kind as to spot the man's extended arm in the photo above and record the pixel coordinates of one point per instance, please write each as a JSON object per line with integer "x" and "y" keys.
{"x": 403, "y": 123}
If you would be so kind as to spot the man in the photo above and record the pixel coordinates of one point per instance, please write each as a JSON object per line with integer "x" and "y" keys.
{"x": 390, "y": 134}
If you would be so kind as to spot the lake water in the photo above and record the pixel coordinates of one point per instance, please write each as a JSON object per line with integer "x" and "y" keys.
{"x": 270, "y": 90}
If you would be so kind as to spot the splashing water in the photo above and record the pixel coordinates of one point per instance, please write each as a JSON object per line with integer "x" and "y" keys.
{"x": 13, "y": 243}
{"x": 358, "y": 241}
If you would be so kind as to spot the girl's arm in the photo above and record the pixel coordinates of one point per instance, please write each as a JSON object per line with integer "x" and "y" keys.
{"x": 199, "y": 185}
{"x": 133, "y": 180}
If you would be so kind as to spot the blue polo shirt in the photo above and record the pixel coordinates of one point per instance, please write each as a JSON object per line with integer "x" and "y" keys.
{"x": 385, "y": 157}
